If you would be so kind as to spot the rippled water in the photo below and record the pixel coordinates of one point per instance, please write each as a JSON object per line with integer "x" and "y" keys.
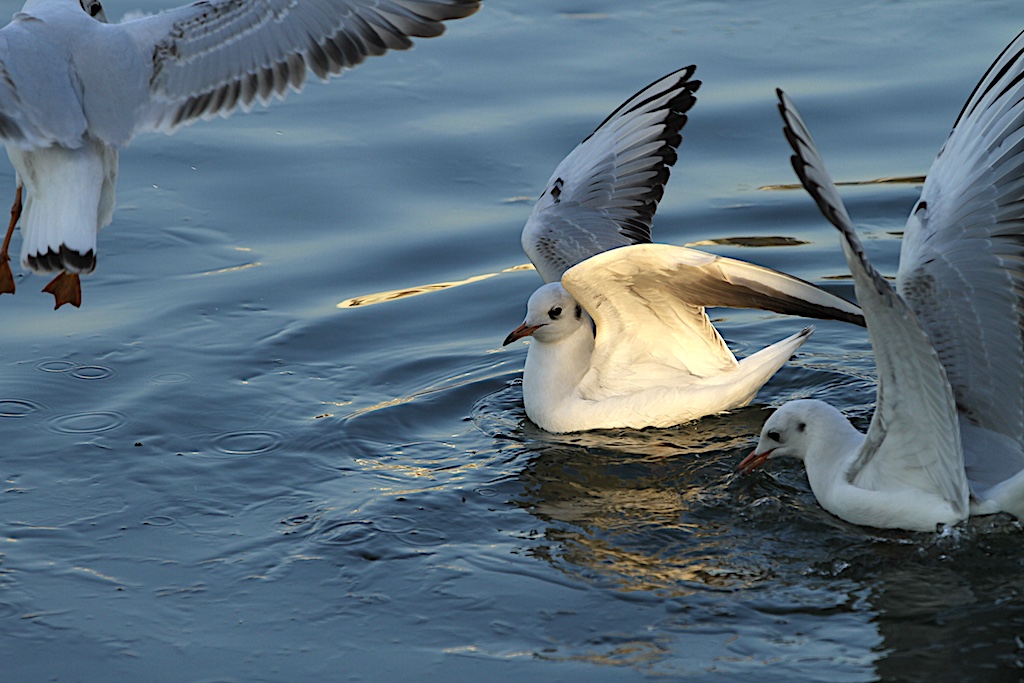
{"x": 212, "y": 472}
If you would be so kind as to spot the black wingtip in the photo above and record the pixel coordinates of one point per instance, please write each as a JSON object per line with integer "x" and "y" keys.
{"x": 681, "y": 103}
{"x": 810, "y": 169}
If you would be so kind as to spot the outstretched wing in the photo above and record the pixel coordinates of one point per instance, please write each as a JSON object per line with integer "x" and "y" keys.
{"x": 914, "y": 437}
{"x": 654, "y": 296}
{"x": 962, "y": 262}
{"x": 604, "y": 194}
{"x": 214, "y": 56}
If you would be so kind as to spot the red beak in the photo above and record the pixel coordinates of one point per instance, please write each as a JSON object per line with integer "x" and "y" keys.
{"x": 753, "y": 461}
{"x": 523, "y": 330}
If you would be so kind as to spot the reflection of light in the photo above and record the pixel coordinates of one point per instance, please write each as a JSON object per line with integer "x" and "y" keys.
{"x": 231, "y": 269}
{"x": 452, "y": 383}
{"x": 477, "y": 650}
{"x": 629, "y": 653}
{"x": 708, "y": 564}
{"x": 644, "y": 510}
{"x": 455, "y": 382}
{"x": 408, "y": 470}
{"x": 389, "y": 403}
{"x": 381, "y": 297}
{"x": 97, "y": 574}
{"x": 885, "y": 180}
{"x": 604, "y": 519}
{"x": 396, "y": 474}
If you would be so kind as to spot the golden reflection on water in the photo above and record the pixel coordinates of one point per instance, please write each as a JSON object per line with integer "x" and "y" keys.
{"x": 381, "y": 297}
{"x": 884, "y": 180}
{"x": 605, "y": 493}
{"x": 637, "y": 570}
{"x": 630, "y": 653}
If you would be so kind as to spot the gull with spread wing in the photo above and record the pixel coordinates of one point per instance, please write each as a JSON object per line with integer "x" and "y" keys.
{"x": 620, "y": 334}
{"x": 74, "y": 89}
{"x": 947, "y": 436}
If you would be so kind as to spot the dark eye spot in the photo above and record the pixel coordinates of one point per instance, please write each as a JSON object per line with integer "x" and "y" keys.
{"x": 95, "y": 8}
{"x": 801, "y": 427}
{"x": 773, "y": 435}
{"x": 579, "y": 312}
{"x": 555, "y": 312}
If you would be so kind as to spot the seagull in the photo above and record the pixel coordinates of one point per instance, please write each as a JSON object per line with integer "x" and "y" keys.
{"x": 75, "y": 88}
{"x": 947, "y": 437}
{"x": 620, "y": 333}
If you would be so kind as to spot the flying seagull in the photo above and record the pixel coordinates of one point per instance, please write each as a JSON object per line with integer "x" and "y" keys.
{"x": 74, "y": 89}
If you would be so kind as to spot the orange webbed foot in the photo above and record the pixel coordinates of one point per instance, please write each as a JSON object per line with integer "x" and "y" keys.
{"x": 66, "y": 289}
{"x": 6, "y": 276}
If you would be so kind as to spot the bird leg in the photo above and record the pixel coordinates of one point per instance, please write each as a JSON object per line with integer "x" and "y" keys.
{"x": 6, "y": 276}
{"x": 66, "y": 289}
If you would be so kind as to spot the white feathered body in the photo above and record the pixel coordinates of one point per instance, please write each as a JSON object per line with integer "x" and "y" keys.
{"x": 565, "y": 391}
{"x": 71, "y": 115}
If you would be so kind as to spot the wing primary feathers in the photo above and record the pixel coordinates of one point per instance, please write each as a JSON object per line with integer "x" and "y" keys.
{"x": 215, "y": 55}
{"x": 981, "y": 89}
{"x": 605, "y": 193}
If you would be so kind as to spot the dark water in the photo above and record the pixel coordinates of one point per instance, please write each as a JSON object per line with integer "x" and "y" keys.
{"x": 211, "y": 472}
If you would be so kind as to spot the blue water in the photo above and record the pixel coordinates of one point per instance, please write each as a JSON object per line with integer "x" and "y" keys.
{"x": 211, "y": 472}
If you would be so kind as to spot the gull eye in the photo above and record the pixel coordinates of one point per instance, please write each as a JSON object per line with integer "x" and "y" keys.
{"x": 774, "y": 435}
{"x": 801, "y": 427}
{"x": 555, "y": 312}
{"x": 93, "y": 8}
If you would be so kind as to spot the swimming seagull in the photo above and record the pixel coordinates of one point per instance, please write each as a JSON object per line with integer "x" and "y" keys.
{"x": 74, "y": 89}
{"x": 655, "y": 360}
{"x": 947, "y": 436}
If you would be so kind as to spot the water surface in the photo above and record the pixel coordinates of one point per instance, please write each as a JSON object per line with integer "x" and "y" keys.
{"x": 214, "y": 473}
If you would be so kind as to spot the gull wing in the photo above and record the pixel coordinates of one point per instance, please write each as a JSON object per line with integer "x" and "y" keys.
{"x": 914, "y": 436}
{"x": 214, "y": 56}
{"x": 962, "y": 261}
{"x": 654, "y": 296}
{"x": 604, "y": 194}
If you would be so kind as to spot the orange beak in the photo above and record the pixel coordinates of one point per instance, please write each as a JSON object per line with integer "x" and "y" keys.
{"x": 753, "y": 461}
{"x": 523, "y": 330}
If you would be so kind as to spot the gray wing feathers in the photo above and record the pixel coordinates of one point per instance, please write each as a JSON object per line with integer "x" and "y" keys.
{"x": 962, "y": 262}
{"x": 216, "y": 55}
{"x": 604, "y": 194}
{"x": 914, "y": 435}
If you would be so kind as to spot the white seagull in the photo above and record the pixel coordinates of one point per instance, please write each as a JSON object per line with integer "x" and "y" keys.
{"x": 655, "y": 359}
{"x": 74, "y": 89}
{"x": 947, "y": 436}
